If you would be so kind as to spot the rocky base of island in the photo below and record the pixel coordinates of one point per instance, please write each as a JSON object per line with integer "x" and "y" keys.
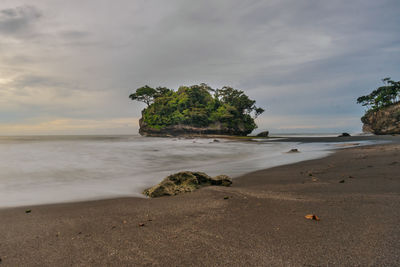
{"x": 188, "y": 130}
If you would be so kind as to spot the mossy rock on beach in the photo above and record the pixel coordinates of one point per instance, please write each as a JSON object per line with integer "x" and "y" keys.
{"x": 182, "y": 182}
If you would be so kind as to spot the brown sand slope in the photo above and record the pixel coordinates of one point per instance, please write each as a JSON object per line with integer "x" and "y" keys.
{"x": 261, "y": 224}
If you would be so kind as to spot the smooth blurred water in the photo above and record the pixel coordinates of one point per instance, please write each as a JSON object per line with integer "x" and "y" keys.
{"x": 52, "y": 169}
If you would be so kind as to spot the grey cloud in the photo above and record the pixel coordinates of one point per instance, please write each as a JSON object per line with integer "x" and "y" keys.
{"x": 34, "y": 81}
{"x": 74, "y": 34}
{"x": 309, "y": 58}
{"x": 75, "y": 38}
{"x": 18, "y": 21}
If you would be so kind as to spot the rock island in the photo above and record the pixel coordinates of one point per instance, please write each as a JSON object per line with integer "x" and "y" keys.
{"x": 196, "y": 110}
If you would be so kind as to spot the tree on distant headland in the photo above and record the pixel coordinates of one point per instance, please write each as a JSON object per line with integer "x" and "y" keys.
{"x": 198, "y": 106}
{"x": 383, "y": 96}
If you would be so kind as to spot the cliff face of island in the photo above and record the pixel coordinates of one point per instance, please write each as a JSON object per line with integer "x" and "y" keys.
{"x": 189, "y": 130}
{"x": 196, "y": 110}
{"x": 383, "y": 121}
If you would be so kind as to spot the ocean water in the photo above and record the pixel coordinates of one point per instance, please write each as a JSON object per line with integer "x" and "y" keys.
{"x": 54, "y": 169}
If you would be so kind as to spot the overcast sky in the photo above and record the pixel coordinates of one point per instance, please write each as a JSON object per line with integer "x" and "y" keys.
{"x": 67, "y": 67}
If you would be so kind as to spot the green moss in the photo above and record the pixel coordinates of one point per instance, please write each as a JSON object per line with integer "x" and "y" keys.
{"x": 182, "y": 182}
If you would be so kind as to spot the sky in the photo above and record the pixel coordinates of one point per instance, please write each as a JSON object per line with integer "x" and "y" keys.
{"x": 68, "y": 67}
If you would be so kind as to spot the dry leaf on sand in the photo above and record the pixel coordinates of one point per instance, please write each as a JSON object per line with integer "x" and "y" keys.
{"x": 312, "y": 217}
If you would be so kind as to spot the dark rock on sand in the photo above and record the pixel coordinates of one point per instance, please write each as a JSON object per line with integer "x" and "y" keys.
{"x": 263, "y": 134}
{"x": 222, "y": 179}
{"x": 293, "y": 150}
{"x": 344, "y": 135}
{"x": 182, "y": 182}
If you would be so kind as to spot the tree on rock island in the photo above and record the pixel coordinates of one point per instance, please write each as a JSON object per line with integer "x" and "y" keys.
{"x": 147, "y": 94}
{"x": 196, "y": 109}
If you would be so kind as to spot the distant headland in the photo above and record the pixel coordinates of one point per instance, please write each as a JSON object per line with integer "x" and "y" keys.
{"x": 383, "y": 113}
{"x": 196, "y": 110}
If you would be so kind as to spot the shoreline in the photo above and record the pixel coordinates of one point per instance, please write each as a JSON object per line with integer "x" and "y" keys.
{"x": 261, "y": 223}
{"x": 304, "y": 155}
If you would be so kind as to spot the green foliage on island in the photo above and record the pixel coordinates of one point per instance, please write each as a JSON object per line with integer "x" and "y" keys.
{"x": 381, "y": 97}
{"x": 198, "y": 106}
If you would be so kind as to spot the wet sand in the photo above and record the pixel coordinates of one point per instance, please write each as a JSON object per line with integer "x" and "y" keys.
{"x": 261, "y": 223}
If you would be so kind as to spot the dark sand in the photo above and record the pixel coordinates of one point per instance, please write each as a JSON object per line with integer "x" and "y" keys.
{"x": 261, "y": 224}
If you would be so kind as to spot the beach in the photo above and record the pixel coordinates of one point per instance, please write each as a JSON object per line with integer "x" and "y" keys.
{"x": 258, "y": 221}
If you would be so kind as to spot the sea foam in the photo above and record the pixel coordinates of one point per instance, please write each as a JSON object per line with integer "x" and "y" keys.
{"x": 54, "y": 169}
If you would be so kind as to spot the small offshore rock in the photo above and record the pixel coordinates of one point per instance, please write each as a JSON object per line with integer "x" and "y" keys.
{"x": 187, "y": 181}
{"x": 263, "y": 134}
{"x": 226, "y": 197}
{"x": 344, "y": 135}
{"x": 293, "y": 150}
{"x": 28, "y": 211}
{"x": 341, "y": 181}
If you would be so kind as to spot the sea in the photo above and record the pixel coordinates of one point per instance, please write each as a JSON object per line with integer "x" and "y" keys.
{"x": 55, "y": 169}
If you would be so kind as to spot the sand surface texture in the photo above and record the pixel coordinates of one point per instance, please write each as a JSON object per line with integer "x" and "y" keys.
{"x": 259, "y": 221}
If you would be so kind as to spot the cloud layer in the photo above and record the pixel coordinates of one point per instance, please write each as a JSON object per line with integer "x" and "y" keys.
{"x": 305, "y": 61}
